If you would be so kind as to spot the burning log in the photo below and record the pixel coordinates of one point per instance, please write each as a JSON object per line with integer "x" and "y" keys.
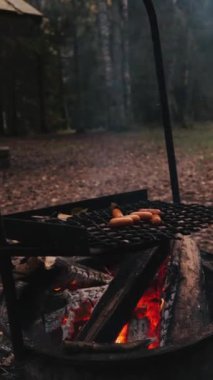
{"x": 138, "y": 329}
{"x": 75, "y": 276}
{"x": 79, "y": 306}
{"x": 183, "y": 257}
{"x": 122, "y": 295}
{"x": 170, "y": 290}
{"x": 145, "y": 320}
{"x": 60, "y": 276}
{"x": 75, "y": 298}
{"x": 68, "y": 273}
{"x": 190, "y": 312}
{"x": 62, "y": 315}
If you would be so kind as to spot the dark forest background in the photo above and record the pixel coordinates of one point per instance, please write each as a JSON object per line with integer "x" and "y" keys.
{"x": 89, "y": 65}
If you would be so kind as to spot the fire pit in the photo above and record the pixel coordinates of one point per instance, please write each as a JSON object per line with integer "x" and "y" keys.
{"x": 124, "y": 294}
{"x": 133, "y": 295}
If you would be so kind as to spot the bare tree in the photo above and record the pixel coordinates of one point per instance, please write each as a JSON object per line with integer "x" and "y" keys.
{"x": 113, "y": 26}
{"x": 126, "y": 68}
{"x": 104, "y": 31}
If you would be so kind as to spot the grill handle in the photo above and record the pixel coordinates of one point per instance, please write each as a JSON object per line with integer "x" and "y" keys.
{"x": 159, "y": 66}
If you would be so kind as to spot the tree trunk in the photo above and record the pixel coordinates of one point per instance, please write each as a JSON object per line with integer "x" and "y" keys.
{"x": 78, "y": 114}
{"x": 126, "y": 68}
{"x": 188, "y": 80}
{"x": 104, "y": 30}
{"x": 173, "y": 62}
{"x": 183, "y": 91}
{"x": 41, "y": 94}
{"x": 118, "y": 66}
{"x": 61, "y": 83}
{"x": 13, "y": 104}
{"x": 2, "y": 132}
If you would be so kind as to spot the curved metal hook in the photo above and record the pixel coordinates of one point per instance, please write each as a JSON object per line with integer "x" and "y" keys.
{"x": 163, "y": 99}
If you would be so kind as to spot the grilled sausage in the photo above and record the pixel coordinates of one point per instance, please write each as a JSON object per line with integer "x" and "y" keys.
{"x": 134, "y": 217}
{"x": 156, "y": 219}
{"x": 156, "y": 211}
{"x": 144, "y": 215}
{"x": 117, "y": 213}
{"x": 122, "y": 221}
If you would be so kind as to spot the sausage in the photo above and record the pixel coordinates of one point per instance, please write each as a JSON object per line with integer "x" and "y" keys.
{"x": 117, "y": 213}
{"x": 134, "y": 217}
{"x": 122, "y": 221}
{"x": 144, "y": 215}
{"x": 156, "y": 211}
{"x": 156, "y": 219}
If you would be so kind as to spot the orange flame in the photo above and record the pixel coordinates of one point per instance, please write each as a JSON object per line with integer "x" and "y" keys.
{"x": 149, "y": 308}
{"x": 122, "y": 337}
{"x": 148, "y": 311}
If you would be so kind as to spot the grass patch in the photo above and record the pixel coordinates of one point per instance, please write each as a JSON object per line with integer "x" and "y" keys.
{"x": 199, "y": 138}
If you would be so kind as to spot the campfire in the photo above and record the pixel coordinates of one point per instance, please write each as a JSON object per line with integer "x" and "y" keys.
{"x": 145, "y": 290}
{"x": 94, "y": 290}
{"x": 120, "y": 304}
{"x": 89, "y": 289}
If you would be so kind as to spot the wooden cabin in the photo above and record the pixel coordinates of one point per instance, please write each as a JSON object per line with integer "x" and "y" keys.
{"x": 21, "y": 104}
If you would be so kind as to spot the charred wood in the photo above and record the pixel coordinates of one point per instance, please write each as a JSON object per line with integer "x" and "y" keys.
{"x": 67, "y": 271}
{"x": 24, "y": 267}
{"x": 170, "y": 290}
{"x": 40, "y": 279}
{"x": 32, "y": 296}
{"x": 122, "y": 295}
{"x": 138, "y": 329}
{"x": 75, "y": 298}
{"x": 35, "y": 297}
{"x": 80, "y": 275}
{"x": 61, "y": 315}
{"x": 73, "y": 347}
{"x": 190, "y": 311}
{"x": 80, "y": 307}
{"x": 74, "y": 301}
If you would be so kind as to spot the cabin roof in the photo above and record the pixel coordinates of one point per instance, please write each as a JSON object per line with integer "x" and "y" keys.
{"x": 19, "y": 7}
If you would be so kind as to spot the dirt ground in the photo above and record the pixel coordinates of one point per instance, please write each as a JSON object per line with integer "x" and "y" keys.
{"x": 56, "y": 169}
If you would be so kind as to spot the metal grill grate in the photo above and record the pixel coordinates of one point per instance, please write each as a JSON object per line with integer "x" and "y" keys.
{"x": 183, "y": 219}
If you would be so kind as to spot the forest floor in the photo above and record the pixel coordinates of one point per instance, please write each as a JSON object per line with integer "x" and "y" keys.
{"x": 48, "y": 170}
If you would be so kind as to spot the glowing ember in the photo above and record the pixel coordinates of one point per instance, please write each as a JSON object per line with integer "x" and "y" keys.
{"x": 147, "y": 314}
{"x": 57, "y": 290}
{"x": 64, "y": 321}
{"x": 73, "y": 285}
{"x": 122, "y": 337}
{"x": 143, "y": 324}
{"x": 76, "y": 319}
